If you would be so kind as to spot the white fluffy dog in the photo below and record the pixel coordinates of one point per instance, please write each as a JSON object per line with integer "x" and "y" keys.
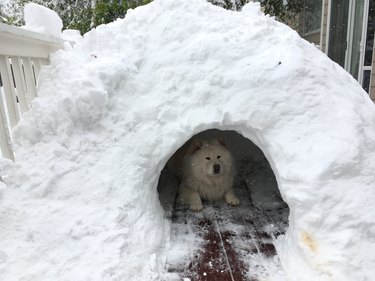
{"x": 207, "y": 172}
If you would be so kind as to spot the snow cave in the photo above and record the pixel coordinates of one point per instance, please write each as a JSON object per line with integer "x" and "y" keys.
{"x": 248, "y": 229}
{"x": 81, "y": 200}
{"x": 249, "y": 162}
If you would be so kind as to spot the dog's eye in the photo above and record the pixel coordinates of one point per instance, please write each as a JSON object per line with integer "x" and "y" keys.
{"x": 219, "y": 156}
{"x": 208, "y": 158}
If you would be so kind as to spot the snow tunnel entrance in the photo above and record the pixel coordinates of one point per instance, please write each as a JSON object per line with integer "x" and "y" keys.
{"x": 223, "y": 241}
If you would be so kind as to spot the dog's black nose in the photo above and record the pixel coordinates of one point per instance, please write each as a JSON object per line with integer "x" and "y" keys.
{"x": 216, "y": 169}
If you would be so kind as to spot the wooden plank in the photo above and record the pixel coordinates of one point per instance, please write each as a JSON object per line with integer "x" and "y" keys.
{"x": 30, "y": 79}
{"x": 20, "y": 83}
{"x": 230, "y": 235}
{"x": 212, "y": 262}
{"x": 234, "y": 243}
{"x": 9, "y": 91}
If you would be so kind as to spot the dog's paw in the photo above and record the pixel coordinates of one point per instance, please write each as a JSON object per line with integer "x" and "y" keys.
{"x": 196, "y": 207}
{"x": 232, "y": 199}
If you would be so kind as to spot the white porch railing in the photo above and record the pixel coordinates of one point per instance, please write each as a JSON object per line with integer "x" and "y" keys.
{"x": 22, "y": 54}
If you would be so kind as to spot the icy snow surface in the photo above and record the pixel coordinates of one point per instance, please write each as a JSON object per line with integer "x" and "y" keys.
{"x": 43, "y": 20}
{"x": 80, "y": 203}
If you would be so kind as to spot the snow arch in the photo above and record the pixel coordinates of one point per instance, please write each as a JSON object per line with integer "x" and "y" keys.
{"x": 247, "y": 231}
{"x": 111, "y": 111}
{"x": 245, "y": 154}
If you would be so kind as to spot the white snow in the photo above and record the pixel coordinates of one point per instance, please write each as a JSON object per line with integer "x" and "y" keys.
{"x": 80, "y": 202}
{"x": 42, "y": 20}
{"x": 72, "y": 35}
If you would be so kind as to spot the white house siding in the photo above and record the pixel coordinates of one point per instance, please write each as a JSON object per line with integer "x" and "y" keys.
{"x": 323, "y": 36}
{"x": 372, "y": 82}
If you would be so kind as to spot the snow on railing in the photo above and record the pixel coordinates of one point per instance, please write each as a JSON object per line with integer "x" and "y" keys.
{"x": 22, "y": 54}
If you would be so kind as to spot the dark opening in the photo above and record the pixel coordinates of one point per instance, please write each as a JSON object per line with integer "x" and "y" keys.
{"x": 224, "y": 242}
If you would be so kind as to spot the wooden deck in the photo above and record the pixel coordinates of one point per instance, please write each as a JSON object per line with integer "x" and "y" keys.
{"x": 224, "y": 242}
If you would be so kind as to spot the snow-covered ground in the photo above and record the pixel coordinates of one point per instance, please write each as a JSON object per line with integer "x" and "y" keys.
{"x": 81, "y": 203}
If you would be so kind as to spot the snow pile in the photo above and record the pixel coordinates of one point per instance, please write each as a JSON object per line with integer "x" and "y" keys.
{"x": 81, "y": 202}
{"x": 72, "y": 35}
{"x": 42, "y": 20}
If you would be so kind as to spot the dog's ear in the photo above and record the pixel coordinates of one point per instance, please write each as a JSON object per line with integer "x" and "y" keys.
{"x": 196, "y": 144}
{"x": 221, "y": 141}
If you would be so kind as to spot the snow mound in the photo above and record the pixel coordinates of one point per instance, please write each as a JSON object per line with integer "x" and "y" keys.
{"x": 81, "y": 202}
{"x": 72, "y": 35}
{"x": 42, "y": 20}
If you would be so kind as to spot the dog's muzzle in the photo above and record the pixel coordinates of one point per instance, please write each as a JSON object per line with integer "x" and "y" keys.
{"x": 217, "y": 169}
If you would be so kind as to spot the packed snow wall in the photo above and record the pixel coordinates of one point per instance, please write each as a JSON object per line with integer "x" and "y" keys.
{"x": 81, "y": 198}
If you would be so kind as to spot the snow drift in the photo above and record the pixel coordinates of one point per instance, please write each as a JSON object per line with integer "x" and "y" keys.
{"x": 80, "y": 203}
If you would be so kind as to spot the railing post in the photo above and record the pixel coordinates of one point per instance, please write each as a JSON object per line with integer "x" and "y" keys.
{"x": 5, "y": 142}
{"x": 9, "y": 91}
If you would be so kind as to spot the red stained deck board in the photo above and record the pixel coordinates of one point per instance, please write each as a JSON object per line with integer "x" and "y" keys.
{"x": 220, "y": 257}
{"x": 228, "y": 235}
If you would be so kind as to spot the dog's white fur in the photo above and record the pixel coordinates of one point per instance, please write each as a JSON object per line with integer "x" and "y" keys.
{"x": 207, "y": 172}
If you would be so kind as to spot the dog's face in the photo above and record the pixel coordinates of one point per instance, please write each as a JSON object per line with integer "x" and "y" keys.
{"x": 211, "y": 158}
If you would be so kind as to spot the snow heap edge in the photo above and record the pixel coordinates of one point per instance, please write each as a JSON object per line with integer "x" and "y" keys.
{"x": 81, "y": 198}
